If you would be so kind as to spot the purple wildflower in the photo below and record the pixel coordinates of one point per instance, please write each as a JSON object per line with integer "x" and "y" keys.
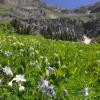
{"x": 43, "y": 83}
{"x": 46, "y": 89}
{"x": 50, "y": 69}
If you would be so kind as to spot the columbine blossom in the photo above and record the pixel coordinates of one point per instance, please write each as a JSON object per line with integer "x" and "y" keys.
{"x": 43, "y": 83}
{"x": 7, "y": 70}
{"x": 49, "y": 89}
{"x": 46, "y": 89}
{"x": 19, "y": 78}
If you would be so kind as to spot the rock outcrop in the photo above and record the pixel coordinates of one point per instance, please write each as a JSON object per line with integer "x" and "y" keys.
{"x": 92, "y": 28}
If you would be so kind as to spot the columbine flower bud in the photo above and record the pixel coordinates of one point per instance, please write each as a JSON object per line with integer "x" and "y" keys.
{"x": 21, "y": 88}
{"x": 49, "y": 70}
{"x": 65, "y": 92}
{"x": 10, "y": 83}
{"x": 86, "y": 91}
{"x": 0, "y": 82}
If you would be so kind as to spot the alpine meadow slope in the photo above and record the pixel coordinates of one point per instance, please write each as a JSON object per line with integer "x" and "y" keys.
{"x": 35, "y": 64}
{"x": 34, "y": 68}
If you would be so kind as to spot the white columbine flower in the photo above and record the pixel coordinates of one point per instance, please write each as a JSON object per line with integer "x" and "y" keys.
{"x": 19, "y": 78}
{"x": 21, "y": 88}
{"x": 7, "y": 71}
{"x": 86, "y": 92}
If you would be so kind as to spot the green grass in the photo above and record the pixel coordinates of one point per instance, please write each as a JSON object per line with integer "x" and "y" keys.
{"x": 76, "y": 66}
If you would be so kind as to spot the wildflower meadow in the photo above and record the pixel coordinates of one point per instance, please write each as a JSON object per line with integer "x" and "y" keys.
{"x": 34, "y": 68}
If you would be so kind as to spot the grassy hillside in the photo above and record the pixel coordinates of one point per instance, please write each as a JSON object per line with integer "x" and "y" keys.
{"x": 74, "y": 69}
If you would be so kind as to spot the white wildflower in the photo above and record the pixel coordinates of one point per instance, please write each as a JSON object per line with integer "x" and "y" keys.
{"x": 7, "y": 71}
{"x": 21, "y": 88}
{"x": 19, "y": 78}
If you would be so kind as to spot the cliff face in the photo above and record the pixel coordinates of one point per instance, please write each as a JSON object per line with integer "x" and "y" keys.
{"x": 35, "y": 17}
{"x": 64, "y": 29}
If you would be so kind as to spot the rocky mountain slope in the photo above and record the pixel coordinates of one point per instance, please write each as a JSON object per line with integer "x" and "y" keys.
{"x": 35, "y": 17}
{"x": 19, "y": 2}
{"x": 91, "y": 8}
